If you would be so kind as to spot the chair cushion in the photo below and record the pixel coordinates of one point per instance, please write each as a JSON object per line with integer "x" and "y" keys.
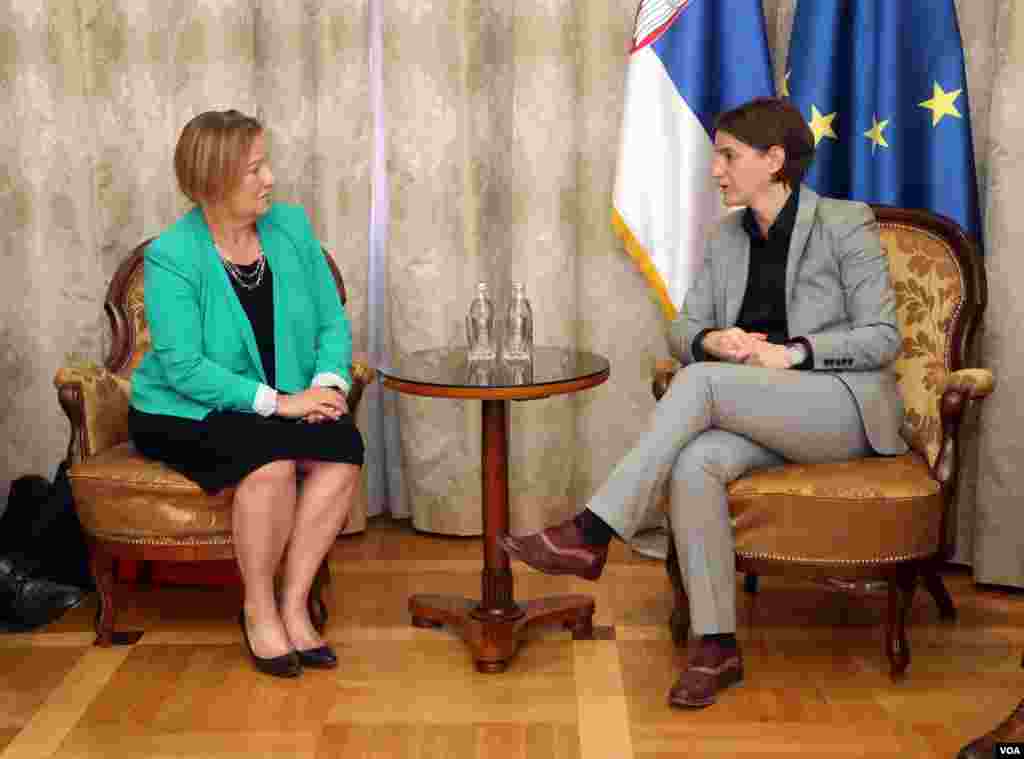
{"x": 875, "y": 510}
{"x": 121, "y": 495}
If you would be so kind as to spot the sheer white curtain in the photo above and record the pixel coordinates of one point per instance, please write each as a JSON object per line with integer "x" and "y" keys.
{"x": 384, "y": 485}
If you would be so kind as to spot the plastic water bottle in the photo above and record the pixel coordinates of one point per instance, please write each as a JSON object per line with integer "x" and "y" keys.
{"x": 480, "y": 325}
{"x": 480, "y": 373}
{"x": 520, "y": 372}
{"x": 518, "y": 343}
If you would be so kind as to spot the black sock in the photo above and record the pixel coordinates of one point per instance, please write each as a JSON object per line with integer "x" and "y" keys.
{"x": 726, "y": 639}
{"x": 595, "y": 530}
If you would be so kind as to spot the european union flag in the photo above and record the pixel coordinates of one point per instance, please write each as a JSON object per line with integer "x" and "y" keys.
{"x": 882, "y": 85}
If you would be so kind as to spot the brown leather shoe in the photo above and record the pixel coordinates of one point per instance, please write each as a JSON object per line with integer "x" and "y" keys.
{"x": 558, "y": 550}
{"x": 1010, "y": 730}
{"x": 712, "y": 667}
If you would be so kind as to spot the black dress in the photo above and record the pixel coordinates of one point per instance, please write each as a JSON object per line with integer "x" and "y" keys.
{"x": 226, "y": 446}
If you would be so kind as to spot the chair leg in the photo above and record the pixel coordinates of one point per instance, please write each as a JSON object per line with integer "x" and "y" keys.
{"x": 102, "y": 565}
{"x": 901, "y": 595}
{"x": 145, "y": 577}
{"x": 317, "y": 606}
{"x": 933, "y": 584}
{"x": 679, "y": 622}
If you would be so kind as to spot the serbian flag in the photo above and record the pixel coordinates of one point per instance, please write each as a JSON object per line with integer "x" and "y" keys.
{"x": 690, "y": 60}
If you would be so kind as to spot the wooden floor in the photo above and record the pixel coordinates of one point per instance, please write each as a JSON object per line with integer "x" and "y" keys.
{"x": 816, "y": 675}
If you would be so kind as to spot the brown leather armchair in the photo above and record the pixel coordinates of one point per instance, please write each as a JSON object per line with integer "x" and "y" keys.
{"x": 132, "y": 507}
{"x": 888, "y": 518}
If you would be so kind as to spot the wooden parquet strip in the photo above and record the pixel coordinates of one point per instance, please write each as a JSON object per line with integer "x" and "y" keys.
{"x": 603, "y": 711}
{"x": 434, "y": 682}
{"x": 65, "y": 705}
{"x": 137, "y": 742}
{"x": 817, "y": 679}
{"x": 22, "y": 641}
{"x": 7, "y": 735}
{"x": 27, "y": 678}
{"x": 760, "y": 739}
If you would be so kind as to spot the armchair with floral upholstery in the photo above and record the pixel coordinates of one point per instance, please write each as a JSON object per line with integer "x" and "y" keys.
{"x": 132, "y": 507}
{"x": 888, "y": 519}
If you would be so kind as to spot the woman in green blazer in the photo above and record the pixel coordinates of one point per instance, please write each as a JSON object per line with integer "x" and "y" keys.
{"x": 246, "y": 383}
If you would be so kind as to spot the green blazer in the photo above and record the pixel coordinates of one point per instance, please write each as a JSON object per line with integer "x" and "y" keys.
{"x": 204, "y": 354}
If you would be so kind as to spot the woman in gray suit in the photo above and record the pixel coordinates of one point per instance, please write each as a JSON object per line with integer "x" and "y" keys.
{"x": 786, "y": 337}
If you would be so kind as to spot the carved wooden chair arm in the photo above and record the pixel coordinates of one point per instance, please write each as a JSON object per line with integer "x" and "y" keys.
{"x": 362, "y": 375}
{"x": 974, "y": 383}
{"x": 961, "y": 388}
{"x": 96, "y": 403}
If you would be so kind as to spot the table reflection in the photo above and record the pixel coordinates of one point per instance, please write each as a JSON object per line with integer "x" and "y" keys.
{"x": 498, "y": 372}
{"x": 451, "y": 367}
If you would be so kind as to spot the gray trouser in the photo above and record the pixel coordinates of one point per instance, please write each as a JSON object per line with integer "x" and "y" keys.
{"x": 717, "y": 422}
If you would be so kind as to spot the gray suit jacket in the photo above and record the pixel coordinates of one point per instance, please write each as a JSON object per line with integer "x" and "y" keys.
{"x": 838, "y": 296}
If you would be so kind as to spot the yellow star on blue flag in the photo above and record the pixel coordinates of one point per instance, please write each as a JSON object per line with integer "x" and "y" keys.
{"x": 821, "y": 125}
{"x": 942, "y": 104}
{"x": 900, "y": 133}
{"x": 877, "y": 133}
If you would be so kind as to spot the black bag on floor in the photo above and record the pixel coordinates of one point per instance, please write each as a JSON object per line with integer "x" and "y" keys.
{"x": 41, "y": 527}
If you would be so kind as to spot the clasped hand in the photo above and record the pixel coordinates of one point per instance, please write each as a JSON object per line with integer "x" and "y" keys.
{"x": 742, "y": 347}
{"x": 315, "y": 405}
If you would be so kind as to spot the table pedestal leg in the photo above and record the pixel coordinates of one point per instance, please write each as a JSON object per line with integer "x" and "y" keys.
{"x": 494, "y": 626}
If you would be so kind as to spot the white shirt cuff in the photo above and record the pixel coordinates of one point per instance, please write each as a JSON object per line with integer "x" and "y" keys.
{"x": 330, "y": 379}
{"x": 265, "y": 403}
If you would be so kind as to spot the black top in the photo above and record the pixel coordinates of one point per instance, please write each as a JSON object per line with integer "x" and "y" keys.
{"x": 259, "y": 307}
{"x": 764, "y": 301}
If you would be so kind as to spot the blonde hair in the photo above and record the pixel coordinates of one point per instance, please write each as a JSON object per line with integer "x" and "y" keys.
{"x": 211, "y": 152}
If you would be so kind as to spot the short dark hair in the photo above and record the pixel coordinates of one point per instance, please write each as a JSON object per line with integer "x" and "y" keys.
{"x": 211, "y": 152}
{"x": 765, "y": 122}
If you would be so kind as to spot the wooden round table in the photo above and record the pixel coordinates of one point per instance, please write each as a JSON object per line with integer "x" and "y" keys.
{"x": 494, "y": 625}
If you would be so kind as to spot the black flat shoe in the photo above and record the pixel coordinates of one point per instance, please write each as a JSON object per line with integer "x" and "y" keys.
{"x": 286, "y": 665}
{"x": 322, "y": 657}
